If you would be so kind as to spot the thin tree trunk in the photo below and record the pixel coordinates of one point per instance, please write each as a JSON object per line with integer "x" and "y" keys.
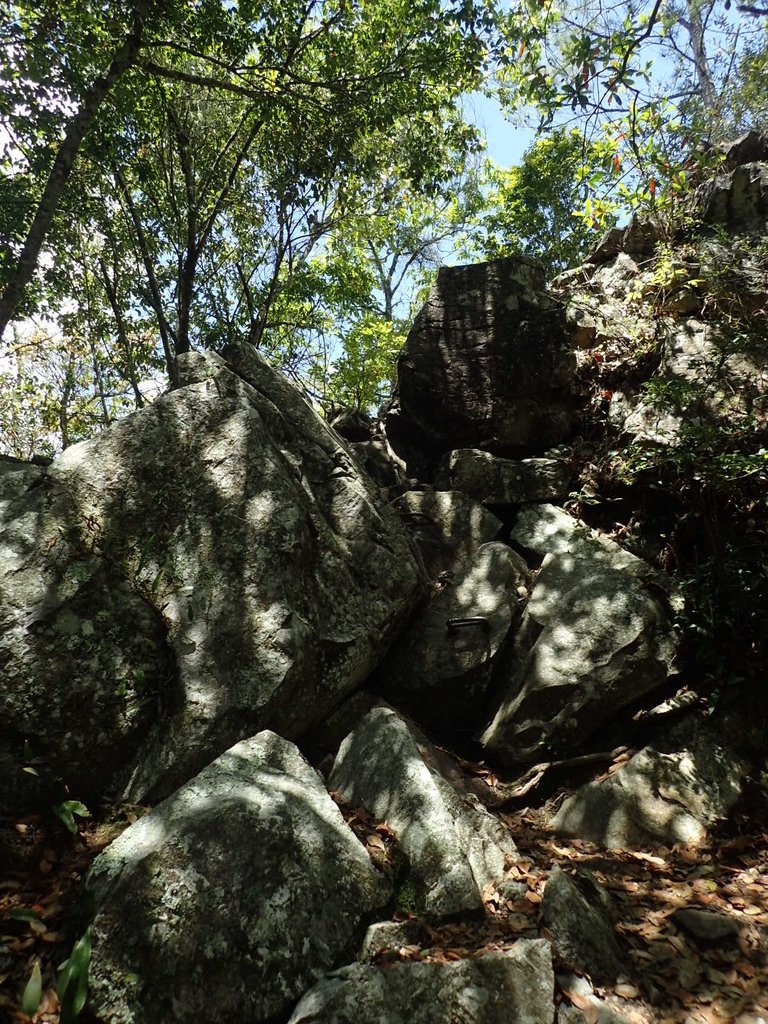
{"x": 167, "y": 336}
{"x": 122, "y": 333}
{"x": 62, "y": 167}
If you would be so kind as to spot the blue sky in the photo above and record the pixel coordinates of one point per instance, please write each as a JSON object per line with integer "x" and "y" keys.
{"x": 506, "y": 142}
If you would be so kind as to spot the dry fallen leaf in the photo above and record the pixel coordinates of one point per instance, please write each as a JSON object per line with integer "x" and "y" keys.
{"x": 627, "y": 991}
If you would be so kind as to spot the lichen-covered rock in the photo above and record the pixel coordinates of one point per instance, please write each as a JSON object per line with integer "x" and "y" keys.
{"x": 495, "y": 481}
{"x": 441, "y": 668}
{"x": 736, "y": 198}
{"x": 86, "y": 667}
{"x": 548, "y": 530}
{"x": 577, "y": 913}
{"x": 376, "y": 458}
{"x": 454, "y": 846}
{"x": 594, "y": 637}
{"x": 656, "y": 797}
{"x": 447, "y": 526}
{"x": 210, "y": 566}
{"x": 230, "y": 897}
{"x": 486, "y": 365}
{"x": 515, "y": 987}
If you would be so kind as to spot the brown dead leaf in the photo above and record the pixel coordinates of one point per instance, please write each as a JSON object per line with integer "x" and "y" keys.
{"x": 590, "y": 1010}
{"x": 627, "y": 991}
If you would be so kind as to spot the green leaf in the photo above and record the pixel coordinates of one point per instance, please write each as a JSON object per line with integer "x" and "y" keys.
{"x": 33, "y": 991}
{"x": 66, "y": 811}
{"x": 72, "y": 982}
{"x": 24, "y": 914}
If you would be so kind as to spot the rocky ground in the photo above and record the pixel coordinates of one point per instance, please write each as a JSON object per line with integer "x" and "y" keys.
{"x": 456, "y": 718}
{"x": 691, "y": 923}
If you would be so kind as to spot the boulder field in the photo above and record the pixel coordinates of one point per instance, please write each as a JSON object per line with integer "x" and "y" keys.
{"x": 324, "y": 660}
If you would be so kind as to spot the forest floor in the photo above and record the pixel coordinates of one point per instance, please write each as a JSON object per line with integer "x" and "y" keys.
{"x": 669, "y": 977}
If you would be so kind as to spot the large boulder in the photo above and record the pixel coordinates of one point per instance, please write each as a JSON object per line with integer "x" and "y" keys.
{"x": 210, "y": 566}
{"x": 447, "y": 526}
{"x": 548, "y": 530}
{"x": 455, "y": 847}
{"x": 657, "y": 798}
{"x": 496, "y": 481}
{"x": 486, "y": 365}
{"x": 515, "y": 987}
{"x": 595, "y": 636}
{"x": 441, "y": 669}
{"x": 231, "y": 897}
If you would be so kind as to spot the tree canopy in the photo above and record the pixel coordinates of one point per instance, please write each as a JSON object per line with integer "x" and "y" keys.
{"x": 177, "y": 176}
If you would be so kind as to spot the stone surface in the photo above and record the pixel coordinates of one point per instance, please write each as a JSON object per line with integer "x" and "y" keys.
{"x": 703, "y": 378}
{"x": 593, "y": 638}
{"x": 441, "y": 668}
{"x": 706, "y": 925}
{"x": 376, "y": 458}
{"x": 229, "y": 898}
{"x": 210, "y": 566}
{"x": 486, "y": 365}
{"x": 548, "y": 530}
{"x": 352, "y": 425}
{"x": 447, "y": 526}
{"x": 495, "y": 481}
{"x": 737, "y": 199}
{"x": 391, "y": 935}
{"x": 656, "y": 797}
{"x": 516, "y": 987}
{"x": 577, "y": 913}
{"x": 454, "y": 846}
{"x": 326, "y": 737}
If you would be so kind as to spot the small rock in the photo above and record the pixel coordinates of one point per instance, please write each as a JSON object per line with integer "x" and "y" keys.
{"x": 575, "y": 909}
{"x": 706, "y": 925}
{"x": 386, "y": 935}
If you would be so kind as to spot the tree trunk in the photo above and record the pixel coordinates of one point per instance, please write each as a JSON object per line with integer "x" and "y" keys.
{"x": 62, "y": 167}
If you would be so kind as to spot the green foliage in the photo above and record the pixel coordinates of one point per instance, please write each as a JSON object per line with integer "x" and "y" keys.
{"x": 362, "y": 377}
{"x": 529, "y": 210}
{"x": 72, "y": 981}
{"x": 33, "y": 991}
{"x": 646, "y": 82}
{"x": 409, "y": 898}
{"x": 291, "y": 175}
{"x": 66, "y": 811}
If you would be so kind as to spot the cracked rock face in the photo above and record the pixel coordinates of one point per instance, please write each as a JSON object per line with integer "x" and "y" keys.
{"x": 454, "y": 846}
{"x": 210, "y": 566}
{"x": 516, "y": 987}
{"x": 229, "y": 898}
{"x": 486, "y": 365}
{"x": 672, "y": 797}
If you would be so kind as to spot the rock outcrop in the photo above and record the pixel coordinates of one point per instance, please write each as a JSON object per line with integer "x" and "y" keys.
{"x": 455, "y": 848}
{"x": 593, "y": 639}
{"x": 213, "y": 565}
{"x": 223, "y": 573}
{"x": 486, "y": 365}
{"x": 499, "y": 988}
{"x": 443, "y": 666}
{"x": 235, "y": 892}
{"x": 656, "y": 797}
